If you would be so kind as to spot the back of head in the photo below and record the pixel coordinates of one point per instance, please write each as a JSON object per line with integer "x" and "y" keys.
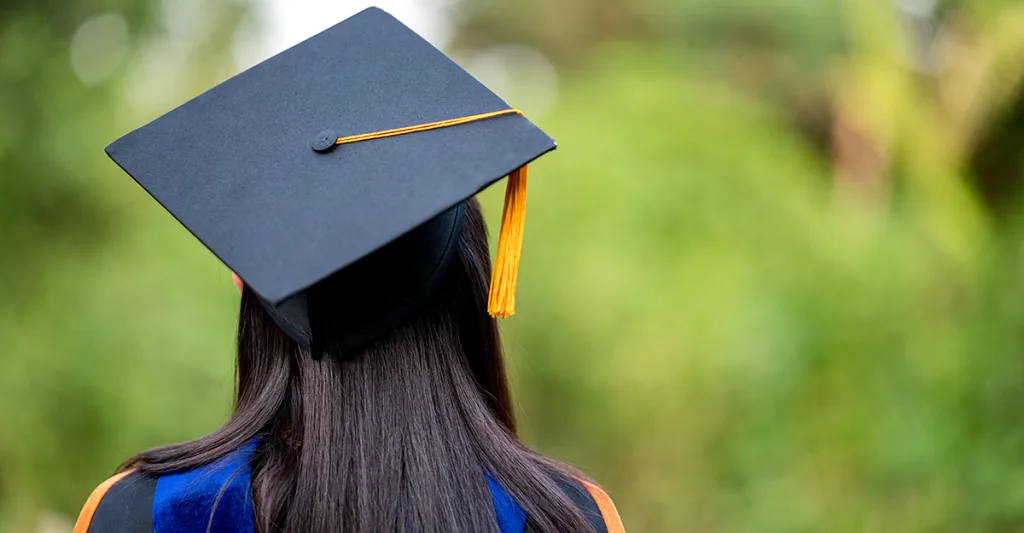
{"x": 399, "y": 436}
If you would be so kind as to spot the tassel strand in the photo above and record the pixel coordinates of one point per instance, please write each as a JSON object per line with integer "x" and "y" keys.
{"x": 501, "y": 300}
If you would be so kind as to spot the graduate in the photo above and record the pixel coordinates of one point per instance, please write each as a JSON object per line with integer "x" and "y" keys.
{"x": 336, "y": 180}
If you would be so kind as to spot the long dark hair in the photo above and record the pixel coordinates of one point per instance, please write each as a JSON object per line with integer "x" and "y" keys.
{"x": 396, "y": 438}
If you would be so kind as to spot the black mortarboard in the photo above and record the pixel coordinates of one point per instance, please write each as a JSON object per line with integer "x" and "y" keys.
{"x": 273, "y": 172}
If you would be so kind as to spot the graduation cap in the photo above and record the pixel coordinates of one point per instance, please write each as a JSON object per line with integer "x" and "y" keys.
{"x": 331, "y": 177}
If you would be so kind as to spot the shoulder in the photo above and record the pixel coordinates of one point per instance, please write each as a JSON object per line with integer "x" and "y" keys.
{"x": 215, "y": 494}
{"x": 123, "y": 503}
{"x": 593, "y": 503}
{"x": 604, "y": 503}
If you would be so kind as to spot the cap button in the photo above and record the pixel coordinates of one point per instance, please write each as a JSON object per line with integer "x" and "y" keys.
{"x": 324, "y": 141}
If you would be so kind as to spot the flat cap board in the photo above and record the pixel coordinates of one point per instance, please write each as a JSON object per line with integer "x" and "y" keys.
{"x": 237, "y": 166}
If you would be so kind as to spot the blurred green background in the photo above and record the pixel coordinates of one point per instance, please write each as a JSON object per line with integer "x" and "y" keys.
{"x": 772, "y": 280}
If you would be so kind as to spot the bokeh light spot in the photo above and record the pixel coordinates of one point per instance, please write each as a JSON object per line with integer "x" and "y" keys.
{"x": 523, "y": 76}
{"x": 98, "y": 47}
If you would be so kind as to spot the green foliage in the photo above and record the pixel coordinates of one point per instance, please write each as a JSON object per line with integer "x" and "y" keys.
{"x": 728, "y": 347}
{"x": 87, "y": 319}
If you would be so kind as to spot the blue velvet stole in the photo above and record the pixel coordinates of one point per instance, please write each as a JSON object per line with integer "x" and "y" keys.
{"x": 511, "y": 516}
{"x": 217, "y": 496}
{"x": 214, "y": 498}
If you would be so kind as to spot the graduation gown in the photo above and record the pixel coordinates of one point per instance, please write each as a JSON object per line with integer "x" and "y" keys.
{"x": 217, "y": 498}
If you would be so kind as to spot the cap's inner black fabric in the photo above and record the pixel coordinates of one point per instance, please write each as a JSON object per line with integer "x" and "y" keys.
{"x": 369, "y": 298}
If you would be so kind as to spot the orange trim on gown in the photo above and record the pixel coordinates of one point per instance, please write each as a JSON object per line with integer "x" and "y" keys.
{"x": 607, "y": 507}
{"x": 85, "y": 517}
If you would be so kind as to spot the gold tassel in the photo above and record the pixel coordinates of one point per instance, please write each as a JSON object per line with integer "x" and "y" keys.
{"x": 501, "y": 301}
